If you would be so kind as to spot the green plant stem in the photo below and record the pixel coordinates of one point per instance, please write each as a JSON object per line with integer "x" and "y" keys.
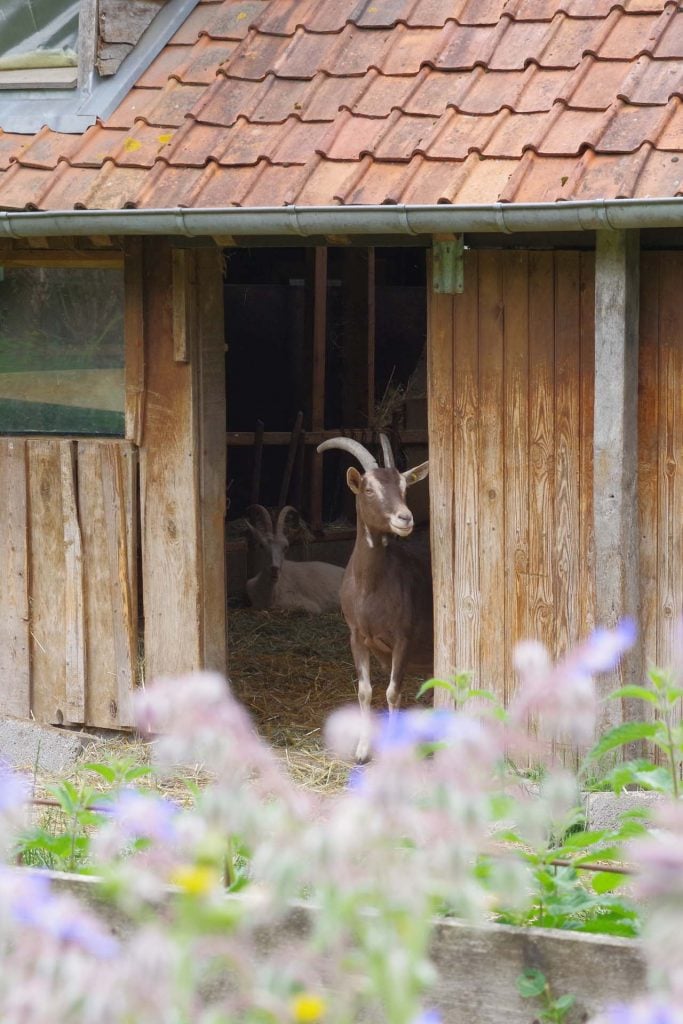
{"x": 672, "y": 757}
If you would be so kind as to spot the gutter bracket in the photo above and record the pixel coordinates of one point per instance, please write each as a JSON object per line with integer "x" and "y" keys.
{"x": 448, "y": 273}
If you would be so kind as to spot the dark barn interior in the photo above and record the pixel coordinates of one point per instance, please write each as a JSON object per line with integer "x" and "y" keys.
{"x": 319, "y": 342}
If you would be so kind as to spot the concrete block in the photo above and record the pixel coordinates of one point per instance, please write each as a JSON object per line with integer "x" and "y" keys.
{"x": 603, "y": 810}
{"x": 28, "y": 744}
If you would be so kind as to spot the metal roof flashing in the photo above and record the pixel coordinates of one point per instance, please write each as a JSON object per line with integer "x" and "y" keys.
{"x": 26, "y": 111}
{"x": 322, "y": 221}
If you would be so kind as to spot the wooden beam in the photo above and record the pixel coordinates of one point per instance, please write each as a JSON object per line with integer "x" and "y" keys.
{"x": 134, "y": 341}
{"x": 440, "y": 350}
{"x": 318, "y": 378}
{"x": 210, "y": 452}
{"x": 171, "y": 546}
{"x": 247, "y": 438}
{"x": 76, "y": 259}
{"x": 615, "y": 448}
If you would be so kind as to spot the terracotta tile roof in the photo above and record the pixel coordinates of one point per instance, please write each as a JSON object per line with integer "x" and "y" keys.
{"x": 270, "y": 102}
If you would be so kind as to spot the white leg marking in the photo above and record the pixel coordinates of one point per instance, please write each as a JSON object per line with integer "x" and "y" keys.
{"x": 365, "y": 701}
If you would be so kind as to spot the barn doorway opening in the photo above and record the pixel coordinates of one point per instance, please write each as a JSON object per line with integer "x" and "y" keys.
{"x": 320, "y": 341}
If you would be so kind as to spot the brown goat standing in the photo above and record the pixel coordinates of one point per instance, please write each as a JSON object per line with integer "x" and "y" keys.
{"x": 386, "y": 593}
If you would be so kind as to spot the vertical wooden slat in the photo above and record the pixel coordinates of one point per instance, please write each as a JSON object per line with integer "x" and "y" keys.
{"x": 75, "y": 654}
{"x": 211, "y": 406}
{"x": 566, "y": 506}
{"x": 171, "y": 557}
{"x": 615, "y": 452}
{"x": 107, "y": 511}
{"x": 466, "y": 473}
{"x": 441, "y": 474}
{"x": 48, "y": 581}
{"x": 491, "y": 473}
{"x": 670, "y": 454}
{"x": 134, "y": 341}
{"x": 15, "y": 680}
{"x": 648, "y": 453}
{"x": 516, "y": 317}
{"x": 318, "y": 378}
{"x": 184, "y": 304}
{"x": 372, "y": 316}
{"x": 541, "y": 447}
{"x": 123, "y": 618}
{"x": 586, "y": 399}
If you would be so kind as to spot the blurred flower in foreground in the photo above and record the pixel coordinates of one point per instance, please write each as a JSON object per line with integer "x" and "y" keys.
{"x": 307, "y": 1008}
{"x": 31, "y": 902}
{"x": 647, "y": 1011}
{"x": 144, "y": 816}
{"x": 14, "y": 789}
{"x": 564, "y": 694}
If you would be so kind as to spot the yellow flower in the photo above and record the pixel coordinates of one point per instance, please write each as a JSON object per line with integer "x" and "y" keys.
{"x": 195, "y": 880}
{"x": 307, "y": 1008}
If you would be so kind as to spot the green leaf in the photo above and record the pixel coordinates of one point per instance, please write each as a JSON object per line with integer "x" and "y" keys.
{"x": 531, "y": 982}
{"x": 607, "y": 881}
{"x": 564, "y": 1003}
{"x": 107, "y": 773}
{"x": 639, "y": 692}
{"x": 629, "y": 732}
{"x": 436, "y": 684}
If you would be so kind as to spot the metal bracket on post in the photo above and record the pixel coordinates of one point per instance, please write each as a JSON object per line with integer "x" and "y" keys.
{"x": 448, "y": 277}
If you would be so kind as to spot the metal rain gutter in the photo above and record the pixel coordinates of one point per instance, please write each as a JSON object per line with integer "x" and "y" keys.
{"x": 317, "y": 221}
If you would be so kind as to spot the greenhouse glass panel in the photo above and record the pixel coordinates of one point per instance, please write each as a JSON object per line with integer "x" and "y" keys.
{"x": 61, "y": 351}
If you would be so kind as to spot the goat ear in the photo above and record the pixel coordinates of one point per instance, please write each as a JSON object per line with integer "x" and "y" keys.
{"x": 413, "y": 476}
{"x": 353, "y": 479}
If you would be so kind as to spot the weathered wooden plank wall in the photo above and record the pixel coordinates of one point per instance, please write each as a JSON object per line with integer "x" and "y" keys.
{"x": 660, "y": 453}
{"x": 511, "y": 447}
{"x": 68, "y": 604}
{"x": 512, "y": 359}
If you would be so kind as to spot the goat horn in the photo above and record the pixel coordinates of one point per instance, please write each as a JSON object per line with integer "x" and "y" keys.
{"x": 282, "y": 518}
{"x": 347, "y": 444}
{"x": 262, "y": 519}
{"x": 387, "y": 452}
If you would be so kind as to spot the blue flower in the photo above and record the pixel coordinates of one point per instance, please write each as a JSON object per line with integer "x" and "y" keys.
{"x": 428, "y": 1017}
{"x": 33, "y": 904}
{"x": 642, "y": 1013}
{"x": 413, "y": 728}
{"x": 604, "y": 647}
{"x": 144, "y": 816}
{"x": 13, "y": 788}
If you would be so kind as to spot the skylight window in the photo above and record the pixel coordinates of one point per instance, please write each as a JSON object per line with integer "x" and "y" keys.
{"x": 39, "y": 44}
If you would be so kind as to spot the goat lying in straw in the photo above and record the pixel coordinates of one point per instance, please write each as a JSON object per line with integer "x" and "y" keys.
{"x": 386, "y": 595}
{"x": 289, "y": 586}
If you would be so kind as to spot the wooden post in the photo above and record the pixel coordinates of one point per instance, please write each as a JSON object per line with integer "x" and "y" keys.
{"x": 182, "y": 470}
{"x": 209, "y": 355}
{"x": 318, "y": 381}
{"x": 441, "y": 475}
{"x": 615, "y": 447}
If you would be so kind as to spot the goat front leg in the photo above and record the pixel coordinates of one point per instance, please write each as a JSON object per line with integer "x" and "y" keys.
{"x": 361, "y": 659}
{"x": 399, "y": 663}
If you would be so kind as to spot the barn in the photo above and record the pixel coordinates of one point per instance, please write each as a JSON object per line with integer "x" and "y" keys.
{"x": 321, "y": 188}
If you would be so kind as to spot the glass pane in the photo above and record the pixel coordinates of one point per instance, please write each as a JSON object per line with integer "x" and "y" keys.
{"x": 38, "y": 33}
{"x": 61, "y": 351}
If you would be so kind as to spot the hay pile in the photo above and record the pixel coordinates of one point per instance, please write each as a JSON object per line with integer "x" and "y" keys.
{"x": 291, "y": 670}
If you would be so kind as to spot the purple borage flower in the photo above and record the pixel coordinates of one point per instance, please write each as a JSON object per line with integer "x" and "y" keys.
{"x": 32, "y": 903}
{"x": 144, "y": 816}
{"x": 14, "y": 788}
{"x": 402, "y": 729}
{"x": 647, "y": 1012}
{"x": 604, "y": 647}
{"x": 428, "y": 1017}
